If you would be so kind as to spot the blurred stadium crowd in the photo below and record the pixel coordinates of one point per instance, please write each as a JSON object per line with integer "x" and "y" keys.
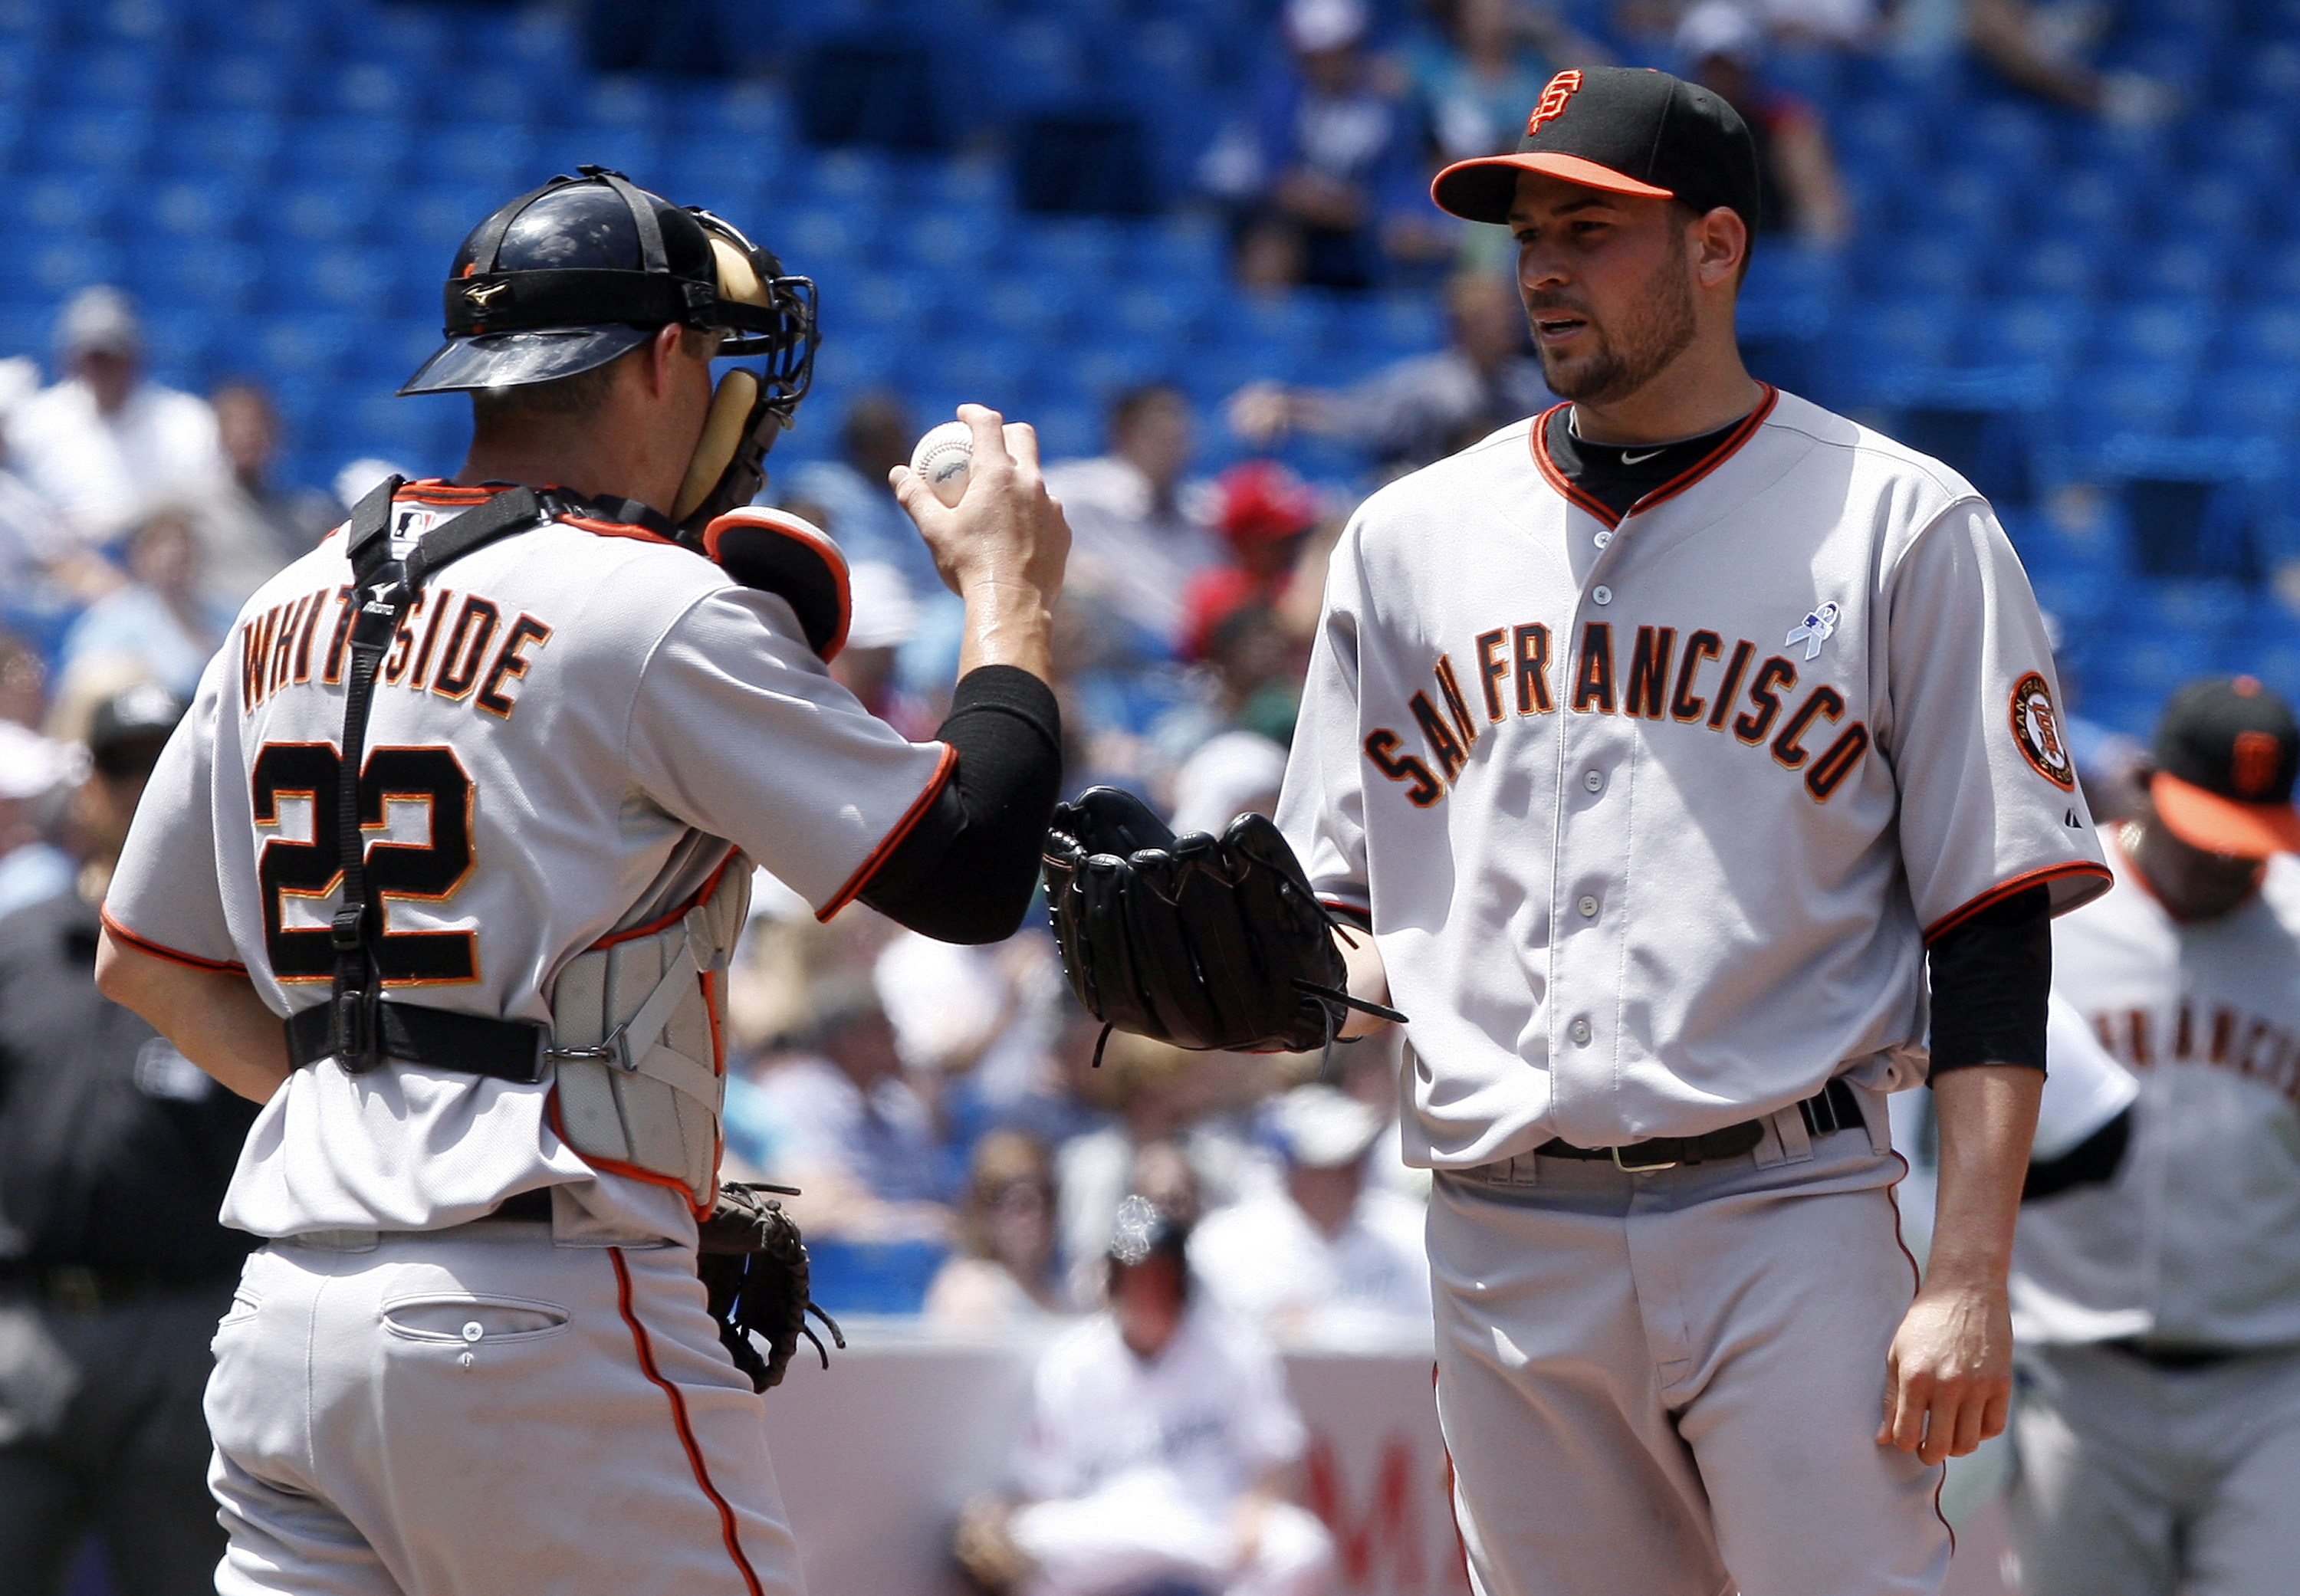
{"x": 1189, "y": 239}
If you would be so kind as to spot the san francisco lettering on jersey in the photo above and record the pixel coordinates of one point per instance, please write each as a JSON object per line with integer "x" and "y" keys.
{"x": 455, "y": 645}
{"x": 1663, "y": 683}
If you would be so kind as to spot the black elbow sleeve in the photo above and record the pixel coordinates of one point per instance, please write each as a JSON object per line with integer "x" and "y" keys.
{"x": 1990, "y": 978}
{"x": 969, "y": 866}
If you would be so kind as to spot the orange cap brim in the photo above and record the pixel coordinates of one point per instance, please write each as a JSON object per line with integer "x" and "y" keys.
{"x": 1483, "y": 189}
{"x": 2217, "y": 825}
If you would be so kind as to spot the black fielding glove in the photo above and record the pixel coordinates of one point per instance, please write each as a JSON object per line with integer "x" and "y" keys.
{"x": 754, "y": 1270}
{"x": 1198, "y": 941}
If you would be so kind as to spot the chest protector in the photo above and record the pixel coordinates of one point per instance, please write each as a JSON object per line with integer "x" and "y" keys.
{"x": 634, "y": 1050}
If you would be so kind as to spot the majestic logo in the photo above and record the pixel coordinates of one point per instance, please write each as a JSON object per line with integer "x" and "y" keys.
{"x": 2253, "y": 768}
{"x": 482, "y": 295}
{"x": 1815, "y": 629}
{"x": 1562, "y": 88}
{"x": 2036, "y": 728}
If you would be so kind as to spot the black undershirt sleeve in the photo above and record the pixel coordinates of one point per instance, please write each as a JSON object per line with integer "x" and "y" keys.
{"x": 1991, "y": 977}
{"x": 969, "y": 866}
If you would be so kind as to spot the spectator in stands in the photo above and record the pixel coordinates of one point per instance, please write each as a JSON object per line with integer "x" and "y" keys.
{"x": 857, "y": 507}
{"x": 1263, "y": 511}
{"x": 163, "y": 619}
{"x": 1480, "y": 74}
{"x": 1161, "y": 1095}
{"x": 1799, "y": 191}
{"x": 23, "y": 682}
{"x": 1421, "y": 409}
{"x": 883, "y": 616}
{"x": 36, "y": 775}
{"x": 2042, "y": 48}
{"x": 838, "y": 1120}
{"x": 114, "y": 1150}
{"x": 250, "y": 527}
{"x": 1005, "y": 1274}
{"x": 1133, "y": 548}
{"x": 106, "y": 444}
{"x": 1328, "y": 1259}
{"x": 1325, "y": 178}
{"x": 1237, "y": 754}
{"x": 1161, "y": 1452}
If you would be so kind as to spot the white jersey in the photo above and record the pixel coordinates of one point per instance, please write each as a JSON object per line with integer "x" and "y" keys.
{"x": 1268, "y": 1264}
{"x": 1651, "y": 818}
{"x": 2196, "y": 1241}
{"x": 1201, "y": 1424}
{"x": 578, "y": 726}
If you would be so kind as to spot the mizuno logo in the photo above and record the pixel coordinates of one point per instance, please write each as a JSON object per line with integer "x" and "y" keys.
{"x": 1628, "y": 459}
{"x": 482, "y": 295}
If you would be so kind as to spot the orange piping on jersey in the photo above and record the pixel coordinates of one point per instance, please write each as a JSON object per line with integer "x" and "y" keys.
{"x": 2005, "y": 889}
{"x": 1556, "y": 478}
{"x": 160, "y": 950}
{"x": 665, "y": 920}
{"x": 615, "y": 530}
{"x": 862, "y": 878}
{"x": 606, "y": 1165}
{"x": 828, "y": 551}
{"x": 646, "y": 1351}
{"x": 1670, "y": 489}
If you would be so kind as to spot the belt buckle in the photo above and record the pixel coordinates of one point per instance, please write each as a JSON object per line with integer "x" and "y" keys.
{"x": 1639, "y": 1169}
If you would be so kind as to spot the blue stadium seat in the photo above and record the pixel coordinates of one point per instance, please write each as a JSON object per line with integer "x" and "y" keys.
{"x": 322, "y": 213}
{"x": 1039, "y": 306}
{"x": 354, "y": 151}
{"x": 993, "y": 371}
{"x": 101, "y": 76}
{"x": 241, "y": 82}
{"x": 1916, "y": 264}
{"x": 2047, "y": 331}
{"x": 2218, "y": 205}
{"x": 2268, "y": 332}
{"x": 2062, "y": 268}
{"x": 1878, "y": 334}
{"x": 2093, "y": 204}
{"x": 2012, "y": 137}
{"x": 954, "y": 237}
{"x": 198, "y": 208}
{"x": 111, "y": 140}
{"x": 724, "y": 161}
{"x": 890, "y": 302}
{"x": 2272, "y": 274}
{"x": 62, "y": 205}
{"x": 217, "y": 275}
{"x": 1082, "y": 249}
{"x": 867, "y": 1278}
{"x": 2190, "y": 270}
{"x": 2252, "y": 144}
{"x": 2125, "y": 399}
{"x": 238, "y": 146}
{"x": 2171, "y": 333}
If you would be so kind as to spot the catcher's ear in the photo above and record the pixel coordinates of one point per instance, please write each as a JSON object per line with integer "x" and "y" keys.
{"x": 776, "y": 551}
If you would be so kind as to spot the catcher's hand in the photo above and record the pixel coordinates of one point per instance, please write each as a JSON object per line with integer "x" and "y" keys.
{"x": 1198, "y": 941}
{"x": 753, "y": 1269}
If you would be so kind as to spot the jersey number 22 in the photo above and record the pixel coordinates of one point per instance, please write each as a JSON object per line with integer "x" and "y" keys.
{"x": 428, "y": 871}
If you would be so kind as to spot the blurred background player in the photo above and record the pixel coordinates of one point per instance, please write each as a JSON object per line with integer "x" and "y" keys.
{"x": 1329, "y": 1258}
{"x": 1160, "y": 1451}
{"x": 2156, "y": 1283}
{"x": 114, "y": 1152}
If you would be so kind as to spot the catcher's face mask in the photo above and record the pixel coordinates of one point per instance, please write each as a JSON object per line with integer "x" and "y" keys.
{"x": 758, "y": 311}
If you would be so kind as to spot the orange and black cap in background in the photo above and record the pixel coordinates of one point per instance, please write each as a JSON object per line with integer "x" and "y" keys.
{"x": 2226, "y": 753}
{"x": 1624, "y": 129}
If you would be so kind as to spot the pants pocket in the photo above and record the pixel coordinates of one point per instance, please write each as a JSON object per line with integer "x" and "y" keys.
{"x": 469, "y": 1319}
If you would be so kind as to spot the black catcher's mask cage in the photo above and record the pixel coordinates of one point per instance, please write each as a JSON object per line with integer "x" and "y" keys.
{"x": 530, "y": 322}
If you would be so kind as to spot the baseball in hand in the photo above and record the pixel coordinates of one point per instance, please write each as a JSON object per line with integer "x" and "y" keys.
{"x": 943, "y": 459}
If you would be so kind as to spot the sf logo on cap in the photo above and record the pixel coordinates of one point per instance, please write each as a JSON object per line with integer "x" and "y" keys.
{"x": 2253, "y": 765}
{"x": 1561, "y": 89}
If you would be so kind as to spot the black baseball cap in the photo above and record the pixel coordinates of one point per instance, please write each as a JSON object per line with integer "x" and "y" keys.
{"x": 127, "y": 731}
{"x": 1624, "y": 129}
{"x": 2227, "y": 751}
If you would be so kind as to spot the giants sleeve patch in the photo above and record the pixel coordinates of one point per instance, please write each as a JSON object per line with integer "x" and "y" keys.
{"x": 2036, "y": 728}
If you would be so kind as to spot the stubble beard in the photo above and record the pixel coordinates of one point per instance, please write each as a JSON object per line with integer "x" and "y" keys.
{"x": 1659, "y": 329}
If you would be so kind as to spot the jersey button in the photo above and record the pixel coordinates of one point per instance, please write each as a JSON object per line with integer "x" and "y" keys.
{"x": 1601, "y": 594}
{"x": 1594, "y": 780}
{"x": 1587, "y": 906}
{"x": 1580, "y": 1033}
{"x": 1604, "y": 538}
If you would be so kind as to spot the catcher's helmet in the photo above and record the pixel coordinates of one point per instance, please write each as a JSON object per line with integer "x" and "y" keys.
{"x": 568, "y": 277}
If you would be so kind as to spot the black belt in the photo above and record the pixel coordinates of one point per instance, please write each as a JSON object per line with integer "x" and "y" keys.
{"x": 2178, "y": 1359}
{"x": 1832, "y": 1109}
{"x": 506, "y": 1049}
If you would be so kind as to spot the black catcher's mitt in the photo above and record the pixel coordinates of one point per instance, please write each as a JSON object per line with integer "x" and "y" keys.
{"x": 1203, "y": 942}
{"x": 754, "y": 1266}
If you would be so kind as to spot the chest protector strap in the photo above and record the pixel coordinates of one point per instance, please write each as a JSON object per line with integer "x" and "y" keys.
{"x": 355, "y": 1026}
